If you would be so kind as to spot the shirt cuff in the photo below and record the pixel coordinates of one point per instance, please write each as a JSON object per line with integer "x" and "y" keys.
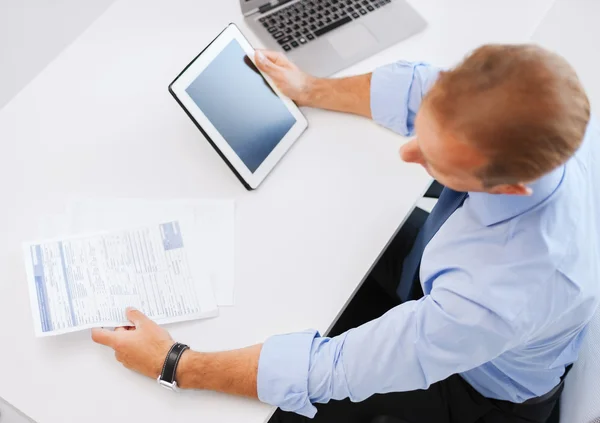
{"x": 283, "y": 369}
{"x": 396, "y": 93}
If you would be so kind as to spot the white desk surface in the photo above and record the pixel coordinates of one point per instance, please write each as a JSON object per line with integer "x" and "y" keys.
{"x": 99, "y": 122}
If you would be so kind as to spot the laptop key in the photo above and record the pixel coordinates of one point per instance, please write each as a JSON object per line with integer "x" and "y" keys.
{"x": 335, "y": 16}
{"x": 304, "y": 23}
{"x": 370, "y": 8}
{"x": 311, "y": 19}
{"x": 328, "y": 20}
{"x": 355, "y": 15}
{"x": 295, "y": 44}
{"x": 296, "y": 27}
{"x": 266, "y": 24}
{"x": 320, "y": 24}
{"x": 332, "y": 26}
{"x": 305, "y": 31}
{"x": 327, "y": 13}
{"x": 284, "y": 40}
{"x": 313, "y": 27}
{"x": 297, "y": 35}
{"x": 310, "y": 37}
{"x": 281, "y": 25}
{"x": 278, "y": 34}
{"x": 363, "y": 12}
{"x": 302, "y": 40}
{"x": 272, "y": 29}
{"x": 349, "y": 10}
{"x": 289, "y": 30}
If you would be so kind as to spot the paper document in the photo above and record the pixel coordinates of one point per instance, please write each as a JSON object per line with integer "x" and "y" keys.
{"x": 213, "y": 220}
{"x": 88, "y": 281}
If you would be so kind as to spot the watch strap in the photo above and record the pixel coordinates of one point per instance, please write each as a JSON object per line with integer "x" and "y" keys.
{"x": 169, "y": 368}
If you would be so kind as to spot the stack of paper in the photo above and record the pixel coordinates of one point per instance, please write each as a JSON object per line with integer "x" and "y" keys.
{"x": 173, "y": 260}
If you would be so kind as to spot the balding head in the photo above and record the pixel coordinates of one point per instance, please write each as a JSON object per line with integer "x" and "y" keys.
{"x": 518, "y": 110}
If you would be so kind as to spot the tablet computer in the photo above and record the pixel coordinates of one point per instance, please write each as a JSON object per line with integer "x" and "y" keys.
{"x": 240, "y": 112}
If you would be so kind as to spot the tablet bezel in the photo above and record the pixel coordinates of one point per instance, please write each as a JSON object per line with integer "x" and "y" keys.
{"x": 188, "y": 76}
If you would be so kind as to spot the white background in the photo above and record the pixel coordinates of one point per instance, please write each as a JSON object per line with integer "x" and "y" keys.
{"x": 34, "y": 32}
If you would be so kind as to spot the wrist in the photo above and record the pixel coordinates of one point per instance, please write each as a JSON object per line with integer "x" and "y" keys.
{"x": 189, "y": 369}
{"x": 312, "y": 93}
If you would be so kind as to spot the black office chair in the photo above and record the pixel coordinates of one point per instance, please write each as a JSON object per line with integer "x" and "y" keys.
{"x": 434, "y": 191}
{"x": 387, "y": 419}
{"x": 554, "y": 417}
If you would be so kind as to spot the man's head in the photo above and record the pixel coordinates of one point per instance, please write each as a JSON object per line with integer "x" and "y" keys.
{"x": 505, "y": 116}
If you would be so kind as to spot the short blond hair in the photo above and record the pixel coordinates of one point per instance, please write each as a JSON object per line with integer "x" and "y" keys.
{"x": 522, "y": 106}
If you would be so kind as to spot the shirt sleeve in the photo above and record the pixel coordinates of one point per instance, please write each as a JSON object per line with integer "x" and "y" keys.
{"x": 411, "y": 347}
{"x": 397, "y": 91}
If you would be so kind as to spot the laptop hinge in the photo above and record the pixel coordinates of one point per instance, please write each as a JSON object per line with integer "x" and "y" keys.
{"x": 266, "y": 7}
{"x": 272, "y": 5}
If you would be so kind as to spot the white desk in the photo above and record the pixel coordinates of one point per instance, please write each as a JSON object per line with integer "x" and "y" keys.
{"x": 303, "y": 244}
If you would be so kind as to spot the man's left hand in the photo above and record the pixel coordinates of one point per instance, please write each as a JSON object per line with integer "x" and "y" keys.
{"x": 142, "y": 347}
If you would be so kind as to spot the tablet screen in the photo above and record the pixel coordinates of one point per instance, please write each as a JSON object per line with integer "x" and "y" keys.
{"x": 240, "y": 104}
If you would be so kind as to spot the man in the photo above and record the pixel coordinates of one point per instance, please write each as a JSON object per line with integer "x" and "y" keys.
{"x": 508, "y": 261}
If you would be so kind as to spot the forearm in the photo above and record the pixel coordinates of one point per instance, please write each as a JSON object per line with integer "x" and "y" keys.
{"x": 349, "y": 95}
{"x": 232, "y": 372}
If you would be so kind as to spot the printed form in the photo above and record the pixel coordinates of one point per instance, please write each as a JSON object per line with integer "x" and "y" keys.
{"x": 88, "y": 281}
{"x": 214, "y": 221}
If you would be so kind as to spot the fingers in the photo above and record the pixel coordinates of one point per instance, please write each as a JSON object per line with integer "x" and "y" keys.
{"x": 136, "y": 317}
{"x": 262, "y": 62}
{"x": 269, "y": 61}
{"x": 104, "y": 337}
{"x": 276, "y": 57}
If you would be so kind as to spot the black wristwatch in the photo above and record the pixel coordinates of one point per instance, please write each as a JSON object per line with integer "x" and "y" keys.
{"x": 166, "y": 379}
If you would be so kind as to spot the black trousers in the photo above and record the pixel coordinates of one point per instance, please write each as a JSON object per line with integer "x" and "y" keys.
{"x": 449, "y": 401}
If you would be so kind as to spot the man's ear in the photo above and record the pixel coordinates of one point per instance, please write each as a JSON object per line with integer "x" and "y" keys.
{"x": 511, "y": 189}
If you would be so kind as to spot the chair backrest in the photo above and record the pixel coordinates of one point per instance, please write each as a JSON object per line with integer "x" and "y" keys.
{"x": 580, "y": 401}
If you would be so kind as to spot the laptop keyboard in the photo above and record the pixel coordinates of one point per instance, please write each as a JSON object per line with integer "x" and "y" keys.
{"x": 304, "y": 21}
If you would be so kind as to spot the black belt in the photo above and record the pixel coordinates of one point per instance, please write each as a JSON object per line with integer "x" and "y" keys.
{"x": 554, "y": 392}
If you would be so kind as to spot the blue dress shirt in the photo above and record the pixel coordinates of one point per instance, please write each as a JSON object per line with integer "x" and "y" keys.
{"x": 510, "y": 284}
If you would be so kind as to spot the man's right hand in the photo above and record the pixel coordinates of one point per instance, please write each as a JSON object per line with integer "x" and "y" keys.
{"x": 291, "y": 81}
{"x": 349, "y": 95}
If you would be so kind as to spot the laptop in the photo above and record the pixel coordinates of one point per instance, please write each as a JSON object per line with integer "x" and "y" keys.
{"x": 325, "y": 36}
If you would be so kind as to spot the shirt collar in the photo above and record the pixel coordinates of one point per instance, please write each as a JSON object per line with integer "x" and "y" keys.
{"x": 496, "y": 208}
